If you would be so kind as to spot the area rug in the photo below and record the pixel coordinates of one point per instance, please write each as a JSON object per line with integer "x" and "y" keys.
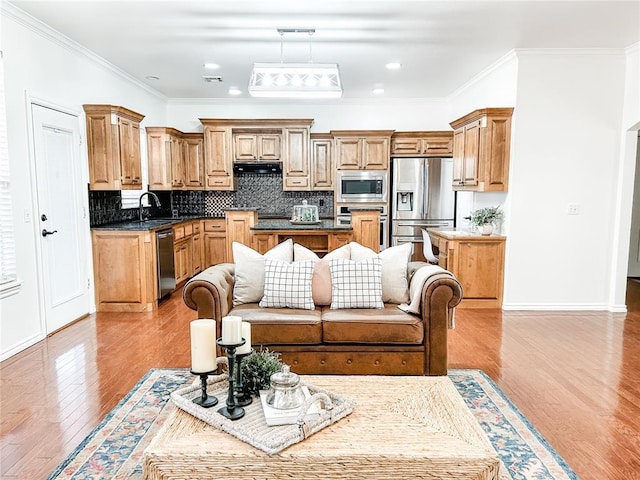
{"x": 114, "y": 449}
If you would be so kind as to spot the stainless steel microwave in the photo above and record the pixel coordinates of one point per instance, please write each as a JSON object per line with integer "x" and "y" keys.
{"x": 361, "y": 187}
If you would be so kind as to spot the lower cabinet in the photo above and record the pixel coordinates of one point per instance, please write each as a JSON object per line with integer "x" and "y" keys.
{"x": 214, "y": 242}
{"x": 182, "y": 260}
{"x": 124, "y": 265}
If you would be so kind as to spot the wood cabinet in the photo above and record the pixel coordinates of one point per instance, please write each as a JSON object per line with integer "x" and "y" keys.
{"x": 362, "y": 150}
{"x": 477, "y": 261}
{"x": 197, "y": 246}
{"x": 238, "y": 229}
{"x": 214, "y": 242}
{"x": 295, "y": 162}
{"x": 124, "y": 265}
{"x": 175, "y": 159}
{"x": 193, "y": 160}
{"x": 113, "y": 144}
{"x": 257, "y": 147}
{"x": 481, "y": 149}
{"x": 182, "y": 260}
{"x": 218, "y": 156}
{"x": 366, "y": 228}
{"x": 422, "y": 144}
{"x": 321, "y": 163}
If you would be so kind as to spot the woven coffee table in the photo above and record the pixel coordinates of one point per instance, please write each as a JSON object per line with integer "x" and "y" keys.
{"x": 401, "y": 427}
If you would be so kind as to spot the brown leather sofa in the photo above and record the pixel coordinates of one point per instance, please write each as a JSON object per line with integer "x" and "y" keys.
{"x": 384, "y": 341}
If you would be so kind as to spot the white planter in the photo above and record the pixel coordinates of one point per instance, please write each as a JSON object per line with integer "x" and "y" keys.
{"x": 486, "y": 229}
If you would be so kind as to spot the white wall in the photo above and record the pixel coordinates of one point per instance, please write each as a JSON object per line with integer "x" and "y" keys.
{"x": 41, "y": 64}
{"x": 566, "y": 149}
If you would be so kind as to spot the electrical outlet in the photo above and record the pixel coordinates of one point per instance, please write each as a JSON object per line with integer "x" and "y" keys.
{"x": 27, "y": 215}
{"x": 573, "y": 209}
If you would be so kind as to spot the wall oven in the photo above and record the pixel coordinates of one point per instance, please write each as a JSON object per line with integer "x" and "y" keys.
{"x": 361, "y": 187}
{"x": 343, "y": 217}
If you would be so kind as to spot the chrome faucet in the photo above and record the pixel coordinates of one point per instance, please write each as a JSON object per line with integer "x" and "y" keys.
{"x": 156, "y": 200}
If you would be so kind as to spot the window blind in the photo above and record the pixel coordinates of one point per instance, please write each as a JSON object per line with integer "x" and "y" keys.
{"x": 7, "y": 246}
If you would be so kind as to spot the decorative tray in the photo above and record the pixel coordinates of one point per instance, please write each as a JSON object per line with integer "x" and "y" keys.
{"x": 253, "y": 428}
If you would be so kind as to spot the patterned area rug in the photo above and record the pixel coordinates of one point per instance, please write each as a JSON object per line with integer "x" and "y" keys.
{"x": 114, "y": 449}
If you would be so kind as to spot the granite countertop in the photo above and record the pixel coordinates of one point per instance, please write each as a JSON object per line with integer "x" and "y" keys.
{"x": 149, "y": 224}
{"x": 463, "y": 234}
{"x": 286, "y": 225}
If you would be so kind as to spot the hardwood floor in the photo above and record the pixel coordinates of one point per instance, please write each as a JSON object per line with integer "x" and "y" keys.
{"x": 576, "y": 377}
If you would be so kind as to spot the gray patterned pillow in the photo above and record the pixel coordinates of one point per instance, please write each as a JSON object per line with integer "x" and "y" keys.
{"x": 288, "y": 285}
{"x": 356, "y": 284}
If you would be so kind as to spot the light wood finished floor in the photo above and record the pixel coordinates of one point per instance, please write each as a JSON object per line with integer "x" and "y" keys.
{"x": 576, "y": 377}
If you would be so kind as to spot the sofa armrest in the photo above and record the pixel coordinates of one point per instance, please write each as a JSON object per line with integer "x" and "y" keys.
{"x": 211, "y": 291}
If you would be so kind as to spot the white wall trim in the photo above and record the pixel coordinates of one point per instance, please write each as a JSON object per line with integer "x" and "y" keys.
{"x": 508, "y": 57}
{"x": 17, "y": 348}
{"x": 281, "y": 101}
{"x": 596, "y": 307}
{"x": 520, "y": 52}
{"x": 632, "y": 48}
{"x": 44, "y": 30}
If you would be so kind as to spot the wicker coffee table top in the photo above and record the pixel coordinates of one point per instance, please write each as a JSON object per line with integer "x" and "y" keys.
{"x": 401, "y": 427}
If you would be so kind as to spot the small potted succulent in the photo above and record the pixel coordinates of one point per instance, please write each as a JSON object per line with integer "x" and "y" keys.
{"x": 485, "y": 218}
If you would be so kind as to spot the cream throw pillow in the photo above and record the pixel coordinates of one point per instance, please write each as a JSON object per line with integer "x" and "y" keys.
{"x": 321, "y": 283}
{"x": 249, "y": 268}
{"x": 395, "y": 261}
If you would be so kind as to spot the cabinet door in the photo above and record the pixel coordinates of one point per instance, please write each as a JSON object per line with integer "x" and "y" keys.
{"x": 437, "y": 146}
{"x": 158, "y": 149}
{"x": 348, "y": 153}
{"x": 321, "y": 164}
{"x": 478, "y": 266}
{"x": 295, "y": 161}
{"x": 262, "y": 242}
{"x": 215, "y": 245}
{"x": 103, "y": 174}
{"x": 217, "y": 158}
{"x": 129, "y": 153}
{"x": 193, "y": 162}
{"x": 375, "y": 153}
{"x": 471, "y": 153}
{"x": 458, "y": 157}
{"x": 177, "y": 163}
{"x": 269, "y": 147}
{"x": 182, "y": 260}
{"x": 406, "y": 146}
{"x": 196, "y": 254}
{"x": 245, "y": 147}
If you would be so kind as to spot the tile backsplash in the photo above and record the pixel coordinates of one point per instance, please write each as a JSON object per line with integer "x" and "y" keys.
{"x": 263, "y": 191}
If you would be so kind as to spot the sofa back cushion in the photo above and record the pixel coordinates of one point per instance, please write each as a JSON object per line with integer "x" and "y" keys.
{"x": 287, "y": 285}
{"x": 395, "y": 284}
{"x": 321, "y": 282}
{"x": 356, "y": 284}
{"x": 249, "y": 270}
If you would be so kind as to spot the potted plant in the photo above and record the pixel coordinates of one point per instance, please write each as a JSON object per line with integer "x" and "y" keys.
{"x": 484, "y": 219}
{"x": 257, "y": 369}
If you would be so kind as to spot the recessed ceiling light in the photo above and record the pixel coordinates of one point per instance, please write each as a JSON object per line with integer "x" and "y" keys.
{"x": 378, "y": 90}
{"x": 393, "y": 66}
{"x": 211, "y": 66}
{"x": 212, "y": 78}
{"x": 152, "y": 77}
{"x": 234, "y": 91}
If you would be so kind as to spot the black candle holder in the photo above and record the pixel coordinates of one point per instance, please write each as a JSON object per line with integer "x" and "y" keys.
{"x": 204, "y": 400}
{"x": 232, "y": 411}
{"x": 242, "y": 399}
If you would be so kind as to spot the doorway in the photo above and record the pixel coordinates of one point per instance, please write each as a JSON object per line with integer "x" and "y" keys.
{"x": 60, "y": 216}
{"x": 633, "y": 270}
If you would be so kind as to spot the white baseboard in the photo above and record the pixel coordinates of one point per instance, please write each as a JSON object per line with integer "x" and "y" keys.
{"x": 580, "y": 307}
{"x": 21, "y": 346}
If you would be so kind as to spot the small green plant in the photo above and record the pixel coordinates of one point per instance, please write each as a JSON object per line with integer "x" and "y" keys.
{"x": 482, "y": 216}
{"x": 257, "y": 369}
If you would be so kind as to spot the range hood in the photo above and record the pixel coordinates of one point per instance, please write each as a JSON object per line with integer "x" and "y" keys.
{"x": 257, "y": 167}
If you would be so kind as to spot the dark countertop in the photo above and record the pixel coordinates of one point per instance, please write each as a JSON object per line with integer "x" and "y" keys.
{"x": 322, "y": 225}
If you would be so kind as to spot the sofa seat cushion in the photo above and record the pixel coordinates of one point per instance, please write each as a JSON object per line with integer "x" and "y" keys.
{"x": 281, "y": 325}
{"x": 388, "y": 325}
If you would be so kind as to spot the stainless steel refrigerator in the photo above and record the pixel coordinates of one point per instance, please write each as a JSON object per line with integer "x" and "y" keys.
{"x": 422, "y": 196}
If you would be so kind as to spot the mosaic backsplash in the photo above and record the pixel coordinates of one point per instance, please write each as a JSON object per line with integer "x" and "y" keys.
{"x": 253, "y": 190}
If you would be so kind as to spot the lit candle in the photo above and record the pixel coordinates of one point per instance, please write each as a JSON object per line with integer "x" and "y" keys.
{"x": 203, "y": 345}
{"x": 231, "y": 329}
{"x": 246, "y": 334}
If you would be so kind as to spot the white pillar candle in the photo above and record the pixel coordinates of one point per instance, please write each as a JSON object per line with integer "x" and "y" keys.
{"x": 203, "y": 345}
{"x": 231, "y": 329}
{"x": 246, "y": 334}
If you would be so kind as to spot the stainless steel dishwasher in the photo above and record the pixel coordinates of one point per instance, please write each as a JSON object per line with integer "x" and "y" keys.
{"x": 166, "y": 266}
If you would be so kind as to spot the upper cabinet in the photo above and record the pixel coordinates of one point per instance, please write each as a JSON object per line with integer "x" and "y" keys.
{"x": 422, "y": 144}
{"x": 175, "y": 159}
{"x": 257, "y": 147}
{"x": 218, "y": 155}
{"x": 113, "y": 143}
{"x": 295, "y": 161}
{"x": 481, "y": 142}
{"x": 362, "y": 150}
{"x": 321, "y": 161}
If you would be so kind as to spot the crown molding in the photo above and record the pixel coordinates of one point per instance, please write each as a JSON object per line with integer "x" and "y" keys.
{"x": 23, "y": 18}
{"x": 523, "y": 52}
{"x": 283, "y": 101}
{"x": 632, "y": 49}
{"x": 508, "y": 57}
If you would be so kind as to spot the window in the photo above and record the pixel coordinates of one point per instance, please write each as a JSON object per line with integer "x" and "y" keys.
{"x": 8, "y": 275}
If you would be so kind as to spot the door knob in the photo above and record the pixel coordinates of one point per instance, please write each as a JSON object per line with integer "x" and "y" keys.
{"x": 45, "y": 232}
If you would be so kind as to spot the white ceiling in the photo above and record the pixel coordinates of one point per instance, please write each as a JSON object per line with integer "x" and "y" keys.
{"x": 441, "y": 44}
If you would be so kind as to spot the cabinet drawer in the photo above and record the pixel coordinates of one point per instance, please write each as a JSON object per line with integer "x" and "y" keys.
{"x": 219, "y": 181}
{"x": 196, "y": 227}
{"x": 297, "y": 182}
{"x": 178, "y": 233}
{"x": 215, "y": 225}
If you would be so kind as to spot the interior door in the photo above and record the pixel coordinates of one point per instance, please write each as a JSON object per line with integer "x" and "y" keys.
{"x": 63, "y": 270}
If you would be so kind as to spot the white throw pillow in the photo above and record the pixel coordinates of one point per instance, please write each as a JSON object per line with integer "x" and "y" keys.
{"x": 249, "y": 270}
{"x": 356, "y": 284}
{"x": 321, "y": 283}
{"x": 395, "y": 261}
{"x": 287, "y": 285}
